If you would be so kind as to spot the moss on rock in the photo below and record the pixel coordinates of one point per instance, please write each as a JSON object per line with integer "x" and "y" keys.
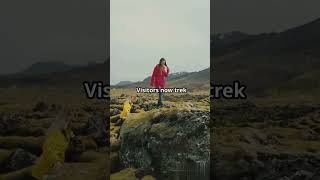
{"x": 148, "y": 177}
{"x": 126, "y": 174}
{"x": 163, "y": 131}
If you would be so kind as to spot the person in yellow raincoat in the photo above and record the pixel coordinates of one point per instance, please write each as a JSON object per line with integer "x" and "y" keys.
{"x": 127, "y": 105}
{"x": 54, "y": 148}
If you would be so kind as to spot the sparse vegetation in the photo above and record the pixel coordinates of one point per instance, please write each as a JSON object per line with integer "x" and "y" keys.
{"x": 155, "y": 141}
{"x": 25, "y": 118}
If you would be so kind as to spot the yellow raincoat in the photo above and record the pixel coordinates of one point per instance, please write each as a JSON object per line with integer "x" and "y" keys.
{"x": 126, "y": 109}
{"x": 53, "y": 151}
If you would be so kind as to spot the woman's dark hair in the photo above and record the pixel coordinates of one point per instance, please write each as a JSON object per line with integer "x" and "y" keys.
{"x": 162, "y": 59}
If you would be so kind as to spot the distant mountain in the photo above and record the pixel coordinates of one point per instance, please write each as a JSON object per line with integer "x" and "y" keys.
{"x": 276, "y": 62}
{"x": 124, "y": 83}
{"x": 48, "y": 67}
{"x": 199, "y": 79}
{"x": 193, "y": 80}
{"x": 69, "y": 78}
{"x": 100, "y": 72}
{"x": 171, "y": 76}
{"x": 222, "y": 41}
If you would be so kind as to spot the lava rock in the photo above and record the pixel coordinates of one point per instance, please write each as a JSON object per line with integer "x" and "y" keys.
{"x": 41, "y": 107}
{"x": 10, "y": 123}
{"x": 20, "y": 159}
{"x": 160, "y": 138}
{"x": 97, "y": 127}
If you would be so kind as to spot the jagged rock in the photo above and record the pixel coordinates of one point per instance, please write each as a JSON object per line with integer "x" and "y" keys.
{"x": 55, "y": 108}
{"x": 10, "y": 123}
{"x": 140, "y": 101}
{"x": 115, "y": 130}
{"x": 114, "y": 119}
{"x": 134, "y": 108}
{"x": 41, "y": 107}
{"x": 97, "y": 127}
{"x": 160, "y": 138}
{"x": 301, "y": 175}
{"x": 119, "y": 122}
{"x": 310, "y": 135}
{"x": 20, "y": 159}
{"x": 253, "y": 136}
{"x": 77, "y": 145}
{"x": 115, "y": 111}
{"x": 265, "y": 142}
{"x": 148, "y": 107}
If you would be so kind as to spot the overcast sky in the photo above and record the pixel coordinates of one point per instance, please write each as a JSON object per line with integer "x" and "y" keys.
{"x": 144, "y": 31}
{"x": 73, "y": 31}
{"x": 76, "y": 31}
{"x": 258, "y": 16}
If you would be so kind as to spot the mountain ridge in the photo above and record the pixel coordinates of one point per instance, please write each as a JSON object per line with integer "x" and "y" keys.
{"x": 48, "y": 67}
{"x": 268, "y": 62}
{"x": 191, "y": 80}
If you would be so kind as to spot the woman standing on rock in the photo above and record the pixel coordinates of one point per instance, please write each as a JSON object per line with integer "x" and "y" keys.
{"x": 158, "y": 78}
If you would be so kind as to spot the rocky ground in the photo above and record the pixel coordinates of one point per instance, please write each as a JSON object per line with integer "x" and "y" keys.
{"x": 250, "y": 140}
{"x": 167, "y": 143}
{"x": 265, "y": 141}
{"x": 22, "y": 132}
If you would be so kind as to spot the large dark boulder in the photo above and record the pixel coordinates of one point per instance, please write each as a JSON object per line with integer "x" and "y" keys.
{"x": 167, "y": 141}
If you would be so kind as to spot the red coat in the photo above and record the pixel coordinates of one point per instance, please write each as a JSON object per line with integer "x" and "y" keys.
{"x": 158, "y": 78}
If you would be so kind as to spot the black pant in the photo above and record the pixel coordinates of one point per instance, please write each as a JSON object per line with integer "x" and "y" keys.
{"x": 160, "y": 99}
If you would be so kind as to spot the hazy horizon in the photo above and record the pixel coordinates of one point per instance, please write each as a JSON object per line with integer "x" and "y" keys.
{"x": 150, "y": 75}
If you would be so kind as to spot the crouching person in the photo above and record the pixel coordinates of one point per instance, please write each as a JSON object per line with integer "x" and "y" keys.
{"x": 127, "y": 105}
{"x": 53, "y": 150}
{"x": 126, "y": 109}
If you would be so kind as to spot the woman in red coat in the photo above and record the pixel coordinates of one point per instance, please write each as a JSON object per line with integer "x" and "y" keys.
{"x": 158, "y": 78}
